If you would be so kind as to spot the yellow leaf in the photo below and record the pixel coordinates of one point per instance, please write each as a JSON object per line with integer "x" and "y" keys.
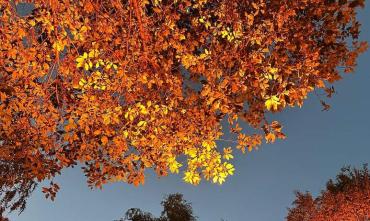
{"x": 174, "y": 165}
{"x": 106, "y": 119}
{"x": 59, "y": 46}
{"x": 273, "y": 70}
{"x": 93, "y": 53}
{"x": 82, "y": 82}
{"x": 32, "y": 23}
{"x": 208, "y": 24}
{"x": 221, "y": 180}
{"x": 208, "y": 145}
{"x": 81, "y": 60}
{"x": 165, "y": 110}
{"x": 86, "y": 66}
{"x": 149, "y": 103}
{"x": 141, "y": 124}
{"x": 125, "y": 133}
{"x": 182, "y": 37}
{"x": 192, "y": 178}
{"x": 272, "y": 103}
{"x": 227, "y": 153}
{"x": 224, "y": 33}
{"x": 229, "y": 168}
{"x": 215, "y": 179}
{"x": 143, "y": 110}
{"x": 192, "y": 152}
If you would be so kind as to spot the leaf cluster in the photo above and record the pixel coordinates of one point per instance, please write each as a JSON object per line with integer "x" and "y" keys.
{"x": 346, "y": 198}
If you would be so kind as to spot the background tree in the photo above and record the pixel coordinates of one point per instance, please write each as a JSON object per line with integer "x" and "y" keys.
{"x": 345, "y": 199}
{"x": 135, "y": 214}
{"x": 15, "y": 188}
{"x": 175, "y": 208}
{"x": 106, "y": 83}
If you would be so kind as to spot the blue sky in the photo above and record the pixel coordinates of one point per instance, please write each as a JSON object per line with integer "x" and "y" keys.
{"x": 317, "y": 146}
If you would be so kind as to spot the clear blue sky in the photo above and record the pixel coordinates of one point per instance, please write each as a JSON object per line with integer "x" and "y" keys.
{"x": 318, "y": 145}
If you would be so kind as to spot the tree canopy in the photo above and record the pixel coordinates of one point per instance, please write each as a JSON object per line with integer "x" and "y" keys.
{"x": 175, "y": 208}
{"x": 347, "y": 198}
{"x": 120, "y": 86}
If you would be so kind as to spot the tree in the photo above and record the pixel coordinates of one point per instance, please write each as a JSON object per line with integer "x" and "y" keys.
{"x": 135, "y": 214}
{"x": 345, "y": 199}
{"x": 15, "y": 187}
{"x": 175, "y": 208}
{"x": 106, "y": 83}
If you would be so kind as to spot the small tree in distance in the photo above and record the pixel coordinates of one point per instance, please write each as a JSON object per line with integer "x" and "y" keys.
{"x": 345, "y": 199}
{"x": 175, "y": 208}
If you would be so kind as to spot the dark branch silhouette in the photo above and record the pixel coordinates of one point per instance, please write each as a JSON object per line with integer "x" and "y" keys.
{"x": 15, "y": 188}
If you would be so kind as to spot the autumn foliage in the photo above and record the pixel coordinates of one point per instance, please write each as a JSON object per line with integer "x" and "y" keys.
{"x": 345, "y": 199}
{"x": 120, "y": 86}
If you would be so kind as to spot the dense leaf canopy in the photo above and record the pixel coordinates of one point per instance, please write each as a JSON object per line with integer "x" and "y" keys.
{"x": 120, "y": 86}
{"x": 346, "y": 199}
